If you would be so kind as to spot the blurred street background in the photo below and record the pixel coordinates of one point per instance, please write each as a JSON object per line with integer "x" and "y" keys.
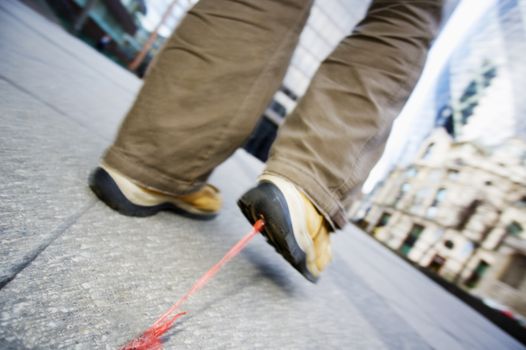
{"x": 436, "y": 255}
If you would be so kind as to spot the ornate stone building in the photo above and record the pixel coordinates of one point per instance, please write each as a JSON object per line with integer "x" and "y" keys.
{"x": 460, "y": 211}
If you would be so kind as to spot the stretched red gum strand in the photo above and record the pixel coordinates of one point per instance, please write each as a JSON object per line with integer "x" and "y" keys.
{"x": 151, "y": 338}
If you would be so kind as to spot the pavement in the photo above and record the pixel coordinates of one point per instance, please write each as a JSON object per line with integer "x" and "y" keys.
{"x": 76, "y": 275}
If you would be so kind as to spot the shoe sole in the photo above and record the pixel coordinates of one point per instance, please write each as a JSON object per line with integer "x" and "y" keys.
{"x": 105, "y": 188}
{"x": 267, "y": 201}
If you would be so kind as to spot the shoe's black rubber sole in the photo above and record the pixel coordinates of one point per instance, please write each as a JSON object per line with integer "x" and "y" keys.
{"x": 267, "y": 202}
{"x": 105, "y": 188}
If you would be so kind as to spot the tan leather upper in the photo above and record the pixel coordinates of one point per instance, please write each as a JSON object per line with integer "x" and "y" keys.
{"x": 319, "y": 231}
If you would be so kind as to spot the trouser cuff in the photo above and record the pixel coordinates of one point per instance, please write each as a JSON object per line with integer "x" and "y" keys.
{"x": 326, "y": 202}
{"x": 149, "y": 177}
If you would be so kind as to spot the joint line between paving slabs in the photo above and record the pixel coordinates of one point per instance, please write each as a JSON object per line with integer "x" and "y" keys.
{"x": 29, "y": 258}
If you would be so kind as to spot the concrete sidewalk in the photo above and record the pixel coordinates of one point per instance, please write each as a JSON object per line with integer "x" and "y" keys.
{"x": 76, "y": 275}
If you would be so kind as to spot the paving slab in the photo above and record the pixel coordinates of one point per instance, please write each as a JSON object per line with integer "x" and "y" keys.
{"x": 77, "y": 275}
{"x": 107, "y": 278}
{"x": 61, "y": 103}
{"x": 45, "y": 160}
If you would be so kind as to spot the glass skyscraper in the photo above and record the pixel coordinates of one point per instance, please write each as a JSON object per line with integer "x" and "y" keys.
{"x": 478, "y": 96}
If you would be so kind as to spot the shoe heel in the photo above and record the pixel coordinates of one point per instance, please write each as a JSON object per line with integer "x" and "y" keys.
{"x": 102, "y": 184}
{"x": 264, "y": 202}
{"x": 245, "y": 203}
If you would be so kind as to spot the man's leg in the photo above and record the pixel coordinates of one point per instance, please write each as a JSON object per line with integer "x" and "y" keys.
{"x": 200, "y": 100}
{"x": 328, "y": 145}
{"x": 206, "y": 91}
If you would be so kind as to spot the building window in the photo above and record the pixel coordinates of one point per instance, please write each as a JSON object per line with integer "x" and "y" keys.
{"x": 515, "y": 273}
{"x": 477, "y": 274}
{"x": 489, "y": 75}
{"x": 411, "y": 239}
{"x": 445, "y": 113}
{"x": 466, "y": 214}
{"x": 467, "y": 112}
{"x": 449, "y": 244}
{"x": 514, "y": 229}
{"x": 384, "y": 220}
{"x": 441, "y": 193}
{"x": 439, "y": 197}
{"x": 436, "y": 264}
{"x": 470, "y": 91}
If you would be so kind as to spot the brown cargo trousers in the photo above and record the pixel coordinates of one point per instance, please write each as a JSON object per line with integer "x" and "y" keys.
{"x": 215, "y": 76}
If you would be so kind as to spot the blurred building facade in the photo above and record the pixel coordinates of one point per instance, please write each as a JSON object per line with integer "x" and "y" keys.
{"x": 455, "y": 200}
{"x": 458, "y": 210}
{"x": 111, "y": 27}
{"x": 329, "y": 22}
